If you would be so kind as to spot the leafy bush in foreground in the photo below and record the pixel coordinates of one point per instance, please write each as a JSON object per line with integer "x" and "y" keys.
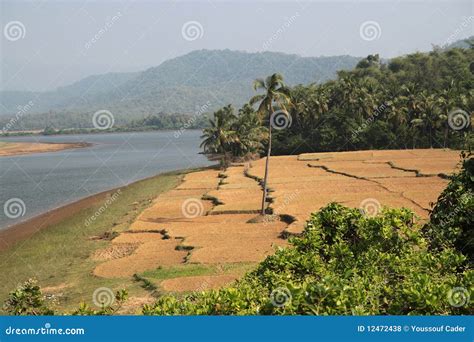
{"x": 452, "y": 219}
{"x": 344, "y": 263}
{"x": 27, "y": 299}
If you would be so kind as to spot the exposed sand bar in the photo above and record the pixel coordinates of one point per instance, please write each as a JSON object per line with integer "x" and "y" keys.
{"x": 17, "y": 148}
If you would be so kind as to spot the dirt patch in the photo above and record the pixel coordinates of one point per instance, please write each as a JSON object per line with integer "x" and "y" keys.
{"x": 149, "y": 255}
{"x": 133, "y": 305}
{"x": 54, "y": 289}
{"x": 238, "y": 200}
{"x": 230, "y": 254}
{"x": 115, "y": 251}
{"x": 138, "y": 238}
{"x": 197, "y": 283}
{"x": 205, "y": 180}
{"x": 176, "y": 208}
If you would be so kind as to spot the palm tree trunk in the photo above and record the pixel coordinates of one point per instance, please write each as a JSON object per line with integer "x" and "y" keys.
{"x": 431, "y": 137}
{"x": 269, "y": 151}
{"x": 445, "y": 136}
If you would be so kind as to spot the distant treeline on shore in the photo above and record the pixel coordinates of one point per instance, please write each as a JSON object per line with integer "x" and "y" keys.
{"x": 159, "y": 121}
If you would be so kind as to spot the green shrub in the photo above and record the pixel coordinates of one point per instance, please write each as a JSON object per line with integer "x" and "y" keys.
{"x": 452, "y": 219}
{"x": 343, "y": 264}
{"x": 85, "y": 310}
{"x": 27, "y": 299}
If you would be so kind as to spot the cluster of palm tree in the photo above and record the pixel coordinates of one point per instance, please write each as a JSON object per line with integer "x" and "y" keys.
{"x": 232, "y": 136}
{"x": 402, "y": 104}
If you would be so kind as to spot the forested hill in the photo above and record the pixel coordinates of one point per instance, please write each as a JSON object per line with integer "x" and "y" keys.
{"x": 178, "y": 85}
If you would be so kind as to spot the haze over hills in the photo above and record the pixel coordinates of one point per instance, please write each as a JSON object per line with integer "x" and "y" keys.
{"x": 462, "y": 43}
{"x": 178, "y": 85}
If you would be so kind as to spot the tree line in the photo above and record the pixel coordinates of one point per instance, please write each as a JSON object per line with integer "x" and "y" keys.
{"x": 420, "y": 100}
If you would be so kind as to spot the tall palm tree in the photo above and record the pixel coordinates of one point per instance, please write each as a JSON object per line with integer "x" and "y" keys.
{"x": 218, "y": 138}
{"x": 276, "y": 95}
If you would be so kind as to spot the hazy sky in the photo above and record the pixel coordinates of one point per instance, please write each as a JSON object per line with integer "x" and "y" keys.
{"x": 46, "y": 44}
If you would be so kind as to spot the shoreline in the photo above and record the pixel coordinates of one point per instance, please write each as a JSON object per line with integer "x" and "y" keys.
{"x": 24, "y": 148}
{"x": 34, "y": 133}
{"x": 11, "y": 235}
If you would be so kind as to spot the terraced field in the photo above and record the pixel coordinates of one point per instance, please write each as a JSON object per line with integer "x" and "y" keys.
{"x": 211, "y": 221}
{"x": 185, "y": 226}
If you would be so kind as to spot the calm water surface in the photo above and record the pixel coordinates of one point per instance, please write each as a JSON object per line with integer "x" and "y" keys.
{"x": 47, "y": 180}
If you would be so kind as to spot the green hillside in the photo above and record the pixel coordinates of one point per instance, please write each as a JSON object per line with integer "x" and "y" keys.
{"x": 180, "y": 85}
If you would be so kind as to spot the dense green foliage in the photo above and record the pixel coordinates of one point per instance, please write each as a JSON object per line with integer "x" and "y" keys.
{"x": 230, "y": 135}
{"x": 27, "y": 299}
{"x": 403, "y": 104}
{"x": 171, "y": 121}
{"x": 452, "y": 218}
{"x": 178, "y": 85}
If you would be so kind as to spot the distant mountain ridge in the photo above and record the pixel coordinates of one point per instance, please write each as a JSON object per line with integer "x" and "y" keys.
{"x": 463, "y": 43}
{"x": 178, "y": 85}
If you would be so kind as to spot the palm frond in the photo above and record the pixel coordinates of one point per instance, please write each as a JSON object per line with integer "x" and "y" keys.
{"x": 256, "y": 98}
{"x": 259, "y": 83}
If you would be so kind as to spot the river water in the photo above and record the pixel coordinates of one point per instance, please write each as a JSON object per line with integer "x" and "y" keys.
{"x": 44, "y": 181}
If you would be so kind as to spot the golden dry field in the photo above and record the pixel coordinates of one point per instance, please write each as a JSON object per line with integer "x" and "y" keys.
{"x": 212, "y": 217}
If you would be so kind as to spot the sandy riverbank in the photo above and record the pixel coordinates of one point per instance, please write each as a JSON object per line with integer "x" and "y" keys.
{"x": 23, "y": 230}
{"x": 17, "y": 148}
